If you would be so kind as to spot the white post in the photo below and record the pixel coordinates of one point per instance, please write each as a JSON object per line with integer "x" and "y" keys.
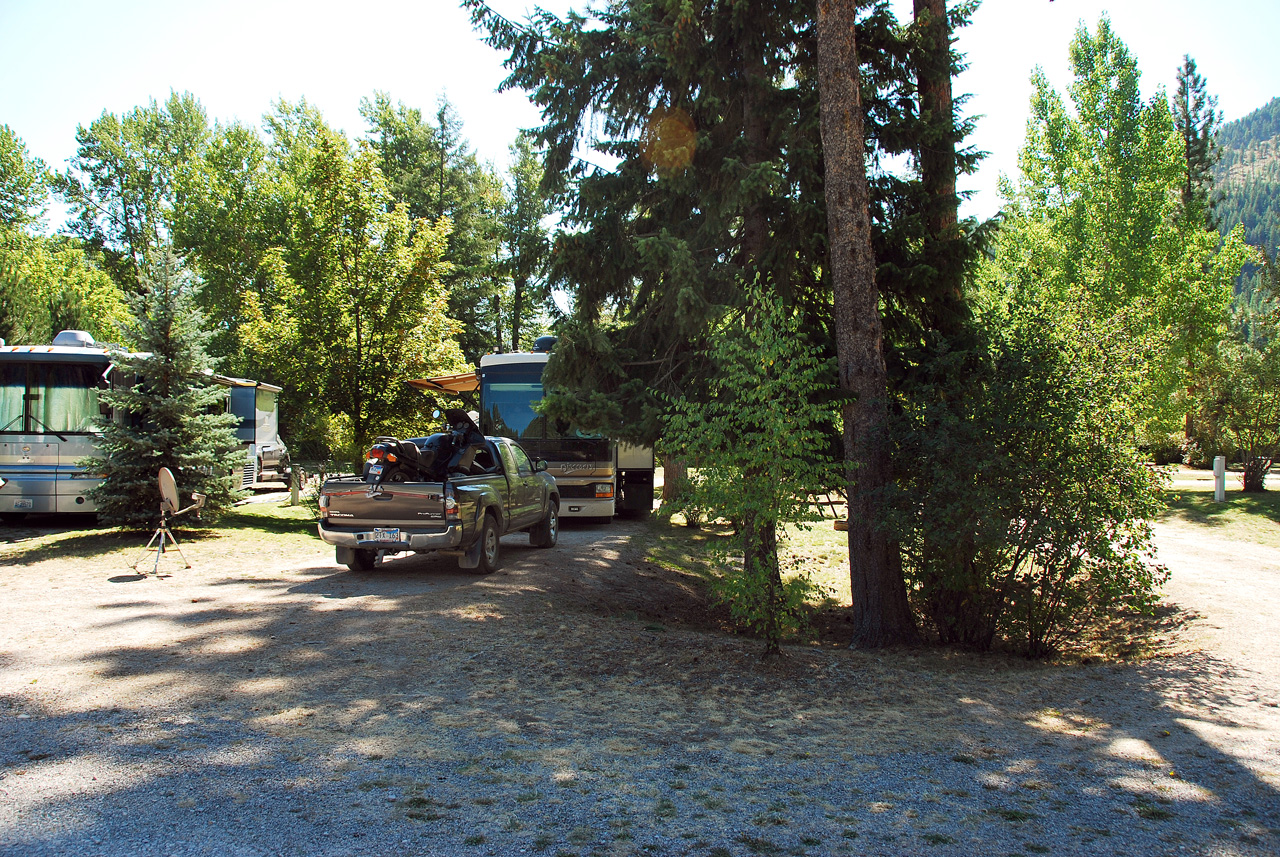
{"x": 293, "y": 485}
{"x": 1220, "y": 479}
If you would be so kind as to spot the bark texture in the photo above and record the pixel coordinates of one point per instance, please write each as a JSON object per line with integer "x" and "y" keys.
{"x": 881, "y": 614}
{"x": 938, "y": 149}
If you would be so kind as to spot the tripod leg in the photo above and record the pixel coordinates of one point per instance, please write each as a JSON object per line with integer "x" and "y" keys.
{"x": 147, "y": 548}
{"x": 169, "y": 533}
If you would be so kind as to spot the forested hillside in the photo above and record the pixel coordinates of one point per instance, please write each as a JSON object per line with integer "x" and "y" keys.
{"x": 1248, "y": 178}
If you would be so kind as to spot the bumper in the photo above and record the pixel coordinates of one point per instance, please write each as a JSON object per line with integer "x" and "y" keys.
{"x": 571, "y": 507}
{"x": 357, "y": 537}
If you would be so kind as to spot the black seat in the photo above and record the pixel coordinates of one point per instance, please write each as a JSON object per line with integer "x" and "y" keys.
{"x": 463, "y": 459}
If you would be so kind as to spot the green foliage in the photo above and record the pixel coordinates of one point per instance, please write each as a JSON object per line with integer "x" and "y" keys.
{"x": 432, "y": 169}
{"x": 760, "y": 447}
{"x": 1247, "y": 180}
{"x": 361, "y": 305}
{"x": 1196, "y": 117}
{"x": 168, "y": 412}
{"x": 1094, "y": 223}
{"x": 125, "y": 180}
{"x": 525, "y": 246}
{"x": 24, "y": 182}
{"x": 49, "y": 285}
{"x": 1243, "y": 398}
{"x": 715, "y": 130}
{"x": 1025, "y": 512}
{"x": 318, "y": 278}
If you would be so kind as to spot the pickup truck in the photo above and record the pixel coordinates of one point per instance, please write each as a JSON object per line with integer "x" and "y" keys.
{"x": 456, "y": 492}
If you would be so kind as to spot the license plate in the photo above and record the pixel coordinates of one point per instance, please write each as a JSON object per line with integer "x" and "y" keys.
{"x": 386, "y": 535}
{"x": 375, "y": 469}
{"x": 24, "y": 503}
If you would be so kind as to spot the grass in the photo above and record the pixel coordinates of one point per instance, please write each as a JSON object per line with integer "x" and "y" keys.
{"x": 816, "y": 549}
{"x": 1243, "y": 517}
{"x": 264, "y": 524}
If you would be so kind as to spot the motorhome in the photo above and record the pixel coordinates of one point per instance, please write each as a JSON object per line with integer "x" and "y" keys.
{"x": 50, "y": 413}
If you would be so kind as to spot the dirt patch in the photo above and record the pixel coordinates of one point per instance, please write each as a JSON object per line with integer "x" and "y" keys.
{"x": 585, "y": 699}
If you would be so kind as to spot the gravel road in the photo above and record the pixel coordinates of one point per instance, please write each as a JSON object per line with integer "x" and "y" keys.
{"x": 270, "y": 703}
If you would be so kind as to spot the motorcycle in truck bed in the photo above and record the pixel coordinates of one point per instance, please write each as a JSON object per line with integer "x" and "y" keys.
{"x": 456, "y": 492}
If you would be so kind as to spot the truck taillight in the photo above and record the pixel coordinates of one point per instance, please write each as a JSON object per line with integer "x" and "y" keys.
{"x": 604, "y": 490}
{"x": 450, "y": 503}
{"x": 324, "y": 506}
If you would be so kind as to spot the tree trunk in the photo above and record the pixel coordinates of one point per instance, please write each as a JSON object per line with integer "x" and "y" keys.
{"x": 880, "y": 610}
{"x": 517, "y": 301}
{"x": 675, "y": 474}
{"x": 938, "y": 149}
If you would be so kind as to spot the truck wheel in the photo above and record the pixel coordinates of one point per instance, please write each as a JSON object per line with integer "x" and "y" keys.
{"x": 546, "y": 533}
{"x": 489, "y": 545}
{"x": 362, "y": 559}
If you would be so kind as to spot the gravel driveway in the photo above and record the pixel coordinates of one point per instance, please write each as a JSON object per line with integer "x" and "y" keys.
{"x": 267, "y": 702}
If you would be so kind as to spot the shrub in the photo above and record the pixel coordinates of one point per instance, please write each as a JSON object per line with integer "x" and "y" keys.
{"x": 1025, "y": 508}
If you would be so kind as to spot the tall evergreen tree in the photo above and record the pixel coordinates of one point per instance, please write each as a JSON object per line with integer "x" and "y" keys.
{"x": 881, "y": 613}
{"x": 24, "y": 182}
{"x": 526, "y": 248}
{"x": 1197, "y": 118}
{"x": 432, "y": 169}
{"x": 717, "y": 181}
{"x": 169, "y": 412}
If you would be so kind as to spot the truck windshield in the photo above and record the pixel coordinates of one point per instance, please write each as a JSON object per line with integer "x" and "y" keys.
{"x": 49, "y": 397}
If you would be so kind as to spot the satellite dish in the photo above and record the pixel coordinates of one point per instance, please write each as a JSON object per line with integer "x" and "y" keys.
{"x": 169, "y": 505}
{"x": 168, "y": 491}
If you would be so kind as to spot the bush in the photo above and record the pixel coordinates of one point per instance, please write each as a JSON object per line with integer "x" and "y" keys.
{"x": 1165, "y": 449}
{"x": 1026, "y": 506}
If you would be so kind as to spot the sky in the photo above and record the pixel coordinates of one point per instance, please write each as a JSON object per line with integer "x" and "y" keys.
{"x": 64, "y": 62}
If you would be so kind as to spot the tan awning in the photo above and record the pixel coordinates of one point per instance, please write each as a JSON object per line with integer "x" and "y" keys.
{"x": 465, "y": 382}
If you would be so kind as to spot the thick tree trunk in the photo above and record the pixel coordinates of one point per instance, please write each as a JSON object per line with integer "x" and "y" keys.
{"x": 880, "y": 610}
{"x": 938, "y": 150}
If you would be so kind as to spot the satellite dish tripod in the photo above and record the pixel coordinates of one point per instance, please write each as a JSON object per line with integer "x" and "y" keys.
{"x": 169, "y": 507}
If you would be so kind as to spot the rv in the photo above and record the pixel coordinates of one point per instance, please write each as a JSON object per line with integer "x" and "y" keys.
{"x": 50, "y": 412}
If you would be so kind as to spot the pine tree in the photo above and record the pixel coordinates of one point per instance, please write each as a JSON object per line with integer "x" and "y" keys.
{"x": 1197, "y": 118}
{"x": 169, "y": 413}
{"x": 881, "y": 613}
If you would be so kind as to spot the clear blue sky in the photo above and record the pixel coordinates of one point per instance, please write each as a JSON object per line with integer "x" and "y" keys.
{"x": 63, "y": 62}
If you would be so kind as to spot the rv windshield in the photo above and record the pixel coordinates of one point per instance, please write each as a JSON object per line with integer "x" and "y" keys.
{"x": 508, "y": 394}
{"x": 37, "y": 398}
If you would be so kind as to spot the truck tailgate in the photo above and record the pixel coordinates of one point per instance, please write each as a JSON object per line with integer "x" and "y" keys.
{"x": 408, "y": 505}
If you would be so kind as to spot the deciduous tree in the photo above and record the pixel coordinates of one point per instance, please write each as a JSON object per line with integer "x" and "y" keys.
{"x": 124, "y": 180}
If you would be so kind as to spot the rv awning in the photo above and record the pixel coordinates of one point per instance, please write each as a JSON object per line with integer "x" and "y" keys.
{"x": 465, "y": 382}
